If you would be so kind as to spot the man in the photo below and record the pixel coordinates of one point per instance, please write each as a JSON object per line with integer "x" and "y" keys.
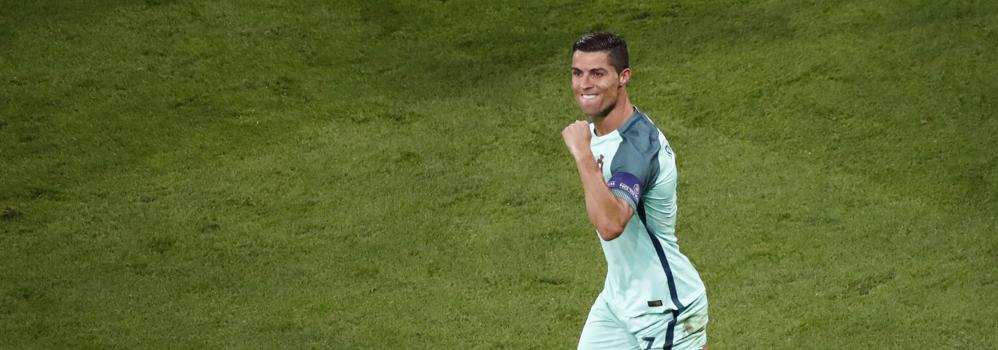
{"x": 652, "y": 298}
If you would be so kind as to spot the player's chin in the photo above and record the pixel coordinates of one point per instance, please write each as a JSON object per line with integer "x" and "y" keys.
{"x": 589, "y": 108}
{"x": 591, "y": 112}
{"x": 596, "y": 111}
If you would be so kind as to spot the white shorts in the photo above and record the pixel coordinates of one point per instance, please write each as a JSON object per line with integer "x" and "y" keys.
{"x": 605, "y": 330}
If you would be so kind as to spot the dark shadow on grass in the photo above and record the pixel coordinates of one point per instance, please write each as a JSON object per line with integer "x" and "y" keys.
{"x": 422, "y": 44}
{"x": 19, "y": 15}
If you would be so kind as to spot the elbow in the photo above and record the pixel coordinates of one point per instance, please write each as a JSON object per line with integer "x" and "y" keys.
{"x": 609, "y": 232}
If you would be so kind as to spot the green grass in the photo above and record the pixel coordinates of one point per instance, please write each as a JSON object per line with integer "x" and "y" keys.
{"x": 359, "y": 175}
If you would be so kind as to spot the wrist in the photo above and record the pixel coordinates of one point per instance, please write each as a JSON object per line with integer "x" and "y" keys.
{"x": 583, "y": 156}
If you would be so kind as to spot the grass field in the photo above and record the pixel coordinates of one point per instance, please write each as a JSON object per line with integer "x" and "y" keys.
{"x": 381, "y": 174}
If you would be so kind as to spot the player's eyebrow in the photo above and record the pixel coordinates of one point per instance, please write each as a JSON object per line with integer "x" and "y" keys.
{"x": 594, "y": 70}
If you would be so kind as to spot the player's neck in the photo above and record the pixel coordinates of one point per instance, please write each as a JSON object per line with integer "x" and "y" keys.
{"x": 617, "y": 117}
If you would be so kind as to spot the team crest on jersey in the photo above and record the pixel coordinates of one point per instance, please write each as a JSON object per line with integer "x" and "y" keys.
{"x": 599, "y": 162}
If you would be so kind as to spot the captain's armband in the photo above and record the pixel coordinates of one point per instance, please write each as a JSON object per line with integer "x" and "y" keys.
{"x": 627, "y": 186}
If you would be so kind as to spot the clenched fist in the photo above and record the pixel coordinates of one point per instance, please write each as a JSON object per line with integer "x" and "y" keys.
{"x": 577, "y": 137}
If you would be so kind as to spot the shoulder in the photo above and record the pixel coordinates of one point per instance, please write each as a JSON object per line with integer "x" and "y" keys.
{"x": 639, "y": 148}
{"x": 641, "y": 134}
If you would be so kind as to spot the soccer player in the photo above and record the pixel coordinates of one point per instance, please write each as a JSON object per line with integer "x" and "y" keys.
{"x": 652, "y": 297}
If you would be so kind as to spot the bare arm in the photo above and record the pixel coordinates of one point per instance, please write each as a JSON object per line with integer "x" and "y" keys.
{"x": 607, "y": 212}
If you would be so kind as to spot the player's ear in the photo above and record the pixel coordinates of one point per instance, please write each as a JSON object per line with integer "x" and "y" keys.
{"x": 624, "y": 77}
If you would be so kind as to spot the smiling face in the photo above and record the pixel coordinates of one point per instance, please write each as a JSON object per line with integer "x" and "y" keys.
{"x": 595, "y": 83}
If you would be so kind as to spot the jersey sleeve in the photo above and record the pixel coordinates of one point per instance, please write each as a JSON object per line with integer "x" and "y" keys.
{"x": 635, "y": 165}
{"x": 626, "y": 186}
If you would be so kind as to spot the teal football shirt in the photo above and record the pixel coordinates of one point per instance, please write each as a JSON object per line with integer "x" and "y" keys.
{"x": 646, "y": 272}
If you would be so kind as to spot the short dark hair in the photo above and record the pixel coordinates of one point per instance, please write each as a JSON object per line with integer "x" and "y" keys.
{"x": 611, "y": 43}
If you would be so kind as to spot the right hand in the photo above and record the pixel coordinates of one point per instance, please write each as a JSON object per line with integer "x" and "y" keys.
{"x": 577, "y": 137}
